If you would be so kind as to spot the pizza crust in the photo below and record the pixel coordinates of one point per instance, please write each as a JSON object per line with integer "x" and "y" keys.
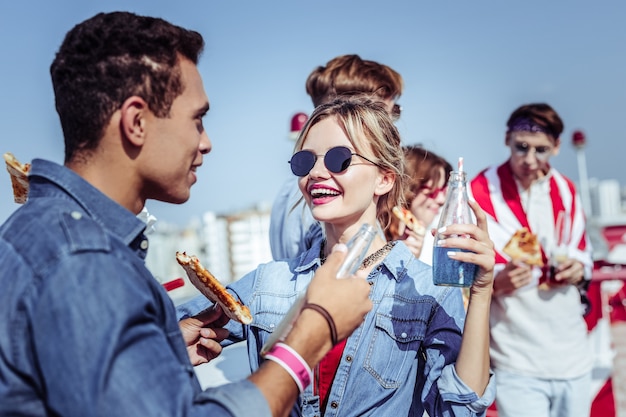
{"x": 212, "y": 289}
{"x": 19, "y": 177}
{"x": 524, "y": 247}
{"x": 406, "y": 217}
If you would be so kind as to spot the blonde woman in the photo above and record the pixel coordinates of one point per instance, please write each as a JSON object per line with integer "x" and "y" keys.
{"x": 416, "y": 350}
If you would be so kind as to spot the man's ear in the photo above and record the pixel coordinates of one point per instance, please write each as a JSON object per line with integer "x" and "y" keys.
{"x": 133, "y": 118}
{"x": 557, "y": 147}
{"x": 386, "y": 180}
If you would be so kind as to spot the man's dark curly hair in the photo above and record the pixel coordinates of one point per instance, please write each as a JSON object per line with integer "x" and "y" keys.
{"x": 109, "y": 58}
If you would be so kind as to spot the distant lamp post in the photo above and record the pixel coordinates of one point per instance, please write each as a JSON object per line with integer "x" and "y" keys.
{"x": 579, "y": 141}
{"x": 297, "y": 123}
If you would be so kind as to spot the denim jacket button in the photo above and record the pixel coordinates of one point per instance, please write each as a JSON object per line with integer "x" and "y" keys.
{"x": 144, "y": 244}
{"x": 349, "y": 358}
{"x": 76, "y": 215}
{"x": 271, "y": 325}
{"x": 334, "y": 404}
{"x": 403, "y": 335}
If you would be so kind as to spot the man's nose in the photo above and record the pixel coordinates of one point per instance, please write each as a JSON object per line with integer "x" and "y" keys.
{"x": 205, "y": 144}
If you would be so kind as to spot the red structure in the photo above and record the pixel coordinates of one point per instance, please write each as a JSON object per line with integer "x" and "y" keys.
{"x": 297, "y": 123}
{"x": 578, "y": 139}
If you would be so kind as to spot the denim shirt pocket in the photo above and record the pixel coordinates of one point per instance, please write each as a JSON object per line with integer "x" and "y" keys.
{"x": 266, "y": 321}
{"x": 393, "y": 349}
{"x": 268, "y": 314}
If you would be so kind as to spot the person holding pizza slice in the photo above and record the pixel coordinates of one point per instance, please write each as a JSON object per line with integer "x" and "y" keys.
{"x": 424, "y": 195}
{"x": 417, "y": 350}
{"x": 539, "y": 347}
{"x": 87, "y": 330}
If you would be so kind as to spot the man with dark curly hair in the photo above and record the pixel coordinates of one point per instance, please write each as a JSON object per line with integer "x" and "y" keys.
{"x": 86, "y": 329}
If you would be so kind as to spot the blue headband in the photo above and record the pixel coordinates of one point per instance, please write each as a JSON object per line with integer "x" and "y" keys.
{"x": 524, "y": 124}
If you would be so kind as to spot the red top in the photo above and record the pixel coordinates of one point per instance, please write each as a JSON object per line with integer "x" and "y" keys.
{"x": 326, "y": 371}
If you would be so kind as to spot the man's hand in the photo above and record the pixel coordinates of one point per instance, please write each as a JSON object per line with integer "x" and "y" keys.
{"x": 202, "y": 340}
{"x": 514, "y": 275}
{"x": 347, "y": 299}
{"x": 569, "y": 272}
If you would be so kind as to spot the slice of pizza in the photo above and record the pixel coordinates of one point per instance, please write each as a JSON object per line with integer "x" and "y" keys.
{"x": 212, "y": 289}
{"x": 19, "y": 177}
{"x": 524, "y": 246}
{"x": 406, "y": 217}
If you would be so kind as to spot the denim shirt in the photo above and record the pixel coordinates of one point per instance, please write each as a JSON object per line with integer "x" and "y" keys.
{"x": 400, "y": 361}
{"x": 292, "y": 226}
{"x": 86, "y": 330}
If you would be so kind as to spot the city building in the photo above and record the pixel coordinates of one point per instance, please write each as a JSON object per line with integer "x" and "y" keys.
{"x": 228, "y": 245}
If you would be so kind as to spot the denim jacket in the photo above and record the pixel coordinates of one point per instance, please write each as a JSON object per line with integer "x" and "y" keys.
{"x": 86, "y": 330}
{"x": 292, "y": 226}
{"x": 400, "y": 361}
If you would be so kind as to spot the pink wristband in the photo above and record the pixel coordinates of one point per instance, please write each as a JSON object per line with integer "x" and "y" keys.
{"x": 291, "y": 362}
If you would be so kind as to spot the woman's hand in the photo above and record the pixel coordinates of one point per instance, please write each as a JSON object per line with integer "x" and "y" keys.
{"x": 413, "y": 240}
{"x": 479, "y": 247}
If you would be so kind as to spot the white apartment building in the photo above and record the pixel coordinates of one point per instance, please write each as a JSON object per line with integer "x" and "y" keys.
{"x": 606, "y": 198}
{"x": 229, "y": 246}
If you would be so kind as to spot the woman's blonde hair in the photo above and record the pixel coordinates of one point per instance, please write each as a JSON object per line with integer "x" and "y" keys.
{"x": 371, "y": 131}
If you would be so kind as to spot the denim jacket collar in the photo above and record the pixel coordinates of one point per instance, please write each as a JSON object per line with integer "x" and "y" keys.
{"x": 395, "y": 262}
{"x": 395, "y": 257}
{"x": 115, "y": 218}
{"x": 310, "y": 258}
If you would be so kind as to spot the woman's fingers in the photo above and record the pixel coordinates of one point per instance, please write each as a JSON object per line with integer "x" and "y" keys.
{"x": 481, "y": 218}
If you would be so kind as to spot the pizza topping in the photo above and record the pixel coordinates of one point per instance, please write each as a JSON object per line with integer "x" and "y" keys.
{"x": 406, "y": 217}
{"x": 524, "y": 246}
{"x": 19, "y": 177}
{"x": 211, "y": 288}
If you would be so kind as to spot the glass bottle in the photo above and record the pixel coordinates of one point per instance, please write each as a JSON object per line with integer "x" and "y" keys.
{"x": 357, "y": 249}
{"x": 456, "y": 210}
{"x": 559, "y": 252}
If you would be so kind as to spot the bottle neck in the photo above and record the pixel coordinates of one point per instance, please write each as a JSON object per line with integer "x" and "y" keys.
{"x": 457, "y": 177}
{"x": 456, "y": 209}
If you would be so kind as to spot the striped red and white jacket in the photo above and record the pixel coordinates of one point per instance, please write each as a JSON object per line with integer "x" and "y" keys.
{"x": 496, "y": 192}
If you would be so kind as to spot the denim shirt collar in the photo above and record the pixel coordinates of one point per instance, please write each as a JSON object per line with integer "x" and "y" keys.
{"x": 310, "y": 258}
{"x": 115, "y": 218}
{"x": 394, "y": 262}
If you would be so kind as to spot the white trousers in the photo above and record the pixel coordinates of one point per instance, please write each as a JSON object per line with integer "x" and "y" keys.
{"x": 523, "y": 396}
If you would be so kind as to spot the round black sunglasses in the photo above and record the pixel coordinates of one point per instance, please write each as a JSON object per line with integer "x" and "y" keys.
{"x": 336, "y": 160}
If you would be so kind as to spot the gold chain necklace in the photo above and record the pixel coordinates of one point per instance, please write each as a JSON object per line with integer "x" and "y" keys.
{"x": 370, "y": 260}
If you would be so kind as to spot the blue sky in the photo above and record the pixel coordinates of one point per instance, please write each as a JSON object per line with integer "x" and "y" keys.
{"x": 466, "y": 64}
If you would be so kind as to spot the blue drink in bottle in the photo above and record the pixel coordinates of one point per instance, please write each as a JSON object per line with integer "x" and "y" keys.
{"x": 447, "y": 271}
{"x": 456, "y": 210}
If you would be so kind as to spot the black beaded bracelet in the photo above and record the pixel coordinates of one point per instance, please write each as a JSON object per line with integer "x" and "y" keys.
{"x": 328, "y": 317}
